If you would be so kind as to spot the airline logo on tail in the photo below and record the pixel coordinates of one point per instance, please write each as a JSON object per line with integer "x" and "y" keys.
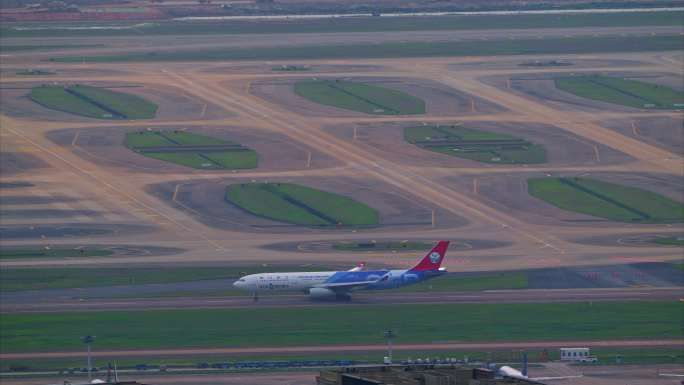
{"x": 433, "y": 259}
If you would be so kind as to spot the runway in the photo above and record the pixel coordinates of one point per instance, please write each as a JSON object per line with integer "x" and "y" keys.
{"x": 363, "y": 299}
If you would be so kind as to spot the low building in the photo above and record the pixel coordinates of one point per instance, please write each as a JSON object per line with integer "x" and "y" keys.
{"x": 412, "y": 375}
{"x": 574, "y": 354}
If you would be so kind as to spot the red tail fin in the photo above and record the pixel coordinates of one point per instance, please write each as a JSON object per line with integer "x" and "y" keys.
{"x": 433, "y": 259}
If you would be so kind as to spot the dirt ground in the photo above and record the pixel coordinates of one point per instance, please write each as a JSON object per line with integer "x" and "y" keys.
{"x": 439, "y": 100}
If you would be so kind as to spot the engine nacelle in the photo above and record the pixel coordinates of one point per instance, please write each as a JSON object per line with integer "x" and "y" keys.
{"x": 321, "y": 293}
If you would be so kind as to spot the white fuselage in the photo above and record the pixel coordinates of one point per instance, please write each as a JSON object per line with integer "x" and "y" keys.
{"x": 507, "y": 371}
{"x": 297, "y": 281}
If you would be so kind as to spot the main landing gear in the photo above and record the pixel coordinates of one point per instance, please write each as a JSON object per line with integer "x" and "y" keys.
{"x": 343, "y": 297}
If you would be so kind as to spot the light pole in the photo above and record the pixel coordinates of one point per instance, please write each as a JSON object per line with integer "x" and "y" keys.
{"x": 88, "y": 340}
{"x": 389, "y": 334}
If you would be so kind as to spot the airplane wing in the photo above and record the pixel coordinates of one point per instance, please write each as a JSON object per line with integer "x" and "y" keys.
{"x": 555, "y": 378}
{"x": 671, "y": 375}
{"x": 348, "y": 286}
{"x": 345, "y": 286}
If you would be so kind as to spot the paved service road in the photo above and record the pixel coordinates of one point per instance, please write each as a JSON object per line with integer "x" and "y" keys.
{"x": 483, "y": 346}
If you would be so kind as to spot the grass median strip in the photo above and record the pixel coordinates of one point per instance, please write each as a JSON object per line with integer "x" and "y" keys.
{"x": 192, "y": 150}
{"x": 21, "y": 279}
{"x": 482, "y": 146}
{"x": 327, "y": 325}
{"x": 30, "y": 72}
{"x": 302, "y": 205}
{"x": 59, "y": 252}
{"x": 382, "y": 246}
{"x": 626, "y": 92}
{"x": 607, "y": 200}
{"x": 93, "y": 102}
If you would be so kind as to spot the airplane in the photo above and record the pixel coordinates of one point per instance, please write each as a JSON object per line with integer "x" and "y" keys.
{"x": 339, "y": 284}
{"x": 677, "y": 375}
{"x": 509, "y": 372}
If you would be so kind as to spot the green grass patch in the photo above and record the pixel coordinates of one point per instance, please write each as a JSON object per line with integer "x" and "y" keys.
{"x": 626, "y": 92}
{"x": 640, "y": 356}
{"x": 382, "y": 246}
{"x": 29, "y": 72}
{"x": 323, "y": 325}
{"x": 59, "y": 252}
{"x": 301, "y": 205}
{"x": 482, "y": 146}
{"x": 192, "y": 150}
{"x": 19, "y": 279}
{"x": 606, "y": 200}
{"x": 352, "y": 24}
{"x": 670, "y": 241}
{"x": 93, "y": 102}
{"x": 360, "y": 97}
{"x": 187, "y": 160}
{"x": 573, "y": 45}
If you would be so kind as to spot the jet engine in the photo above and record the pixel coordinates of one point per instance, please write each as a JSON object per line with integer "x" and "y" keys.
{"x": 321, "y": 293}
